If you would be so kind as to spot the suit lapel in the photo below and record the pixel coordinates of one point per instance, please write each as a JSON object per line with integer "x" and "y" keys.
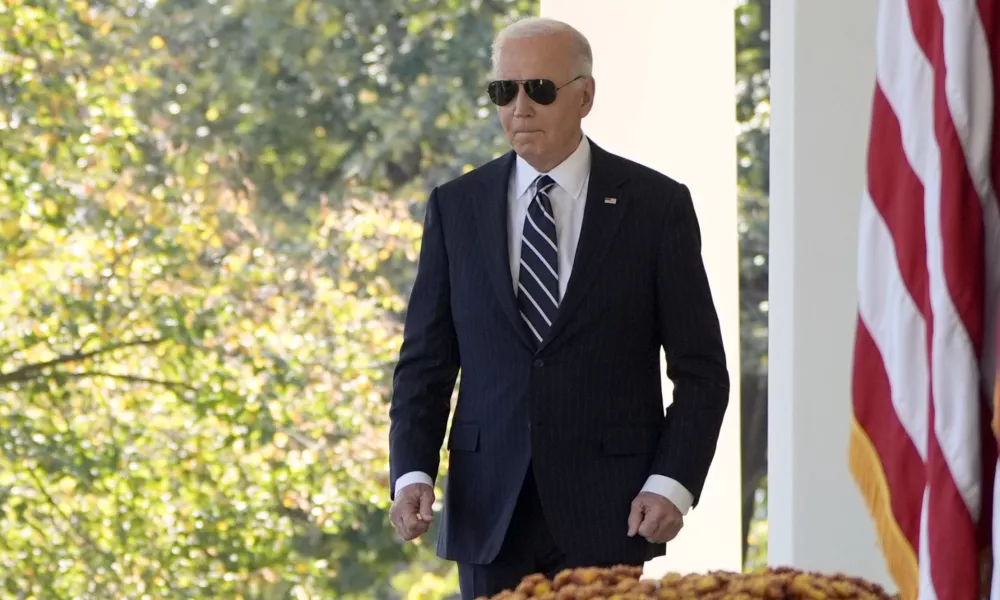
{"x": 491, "y": 219}
{"x": 602, "y": 218}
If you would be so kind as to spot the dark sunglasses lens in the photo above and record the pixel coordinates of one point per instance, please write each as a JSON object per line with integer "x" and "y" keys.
{"x": 502, "y": 92}
{"x": 542, "y": 91}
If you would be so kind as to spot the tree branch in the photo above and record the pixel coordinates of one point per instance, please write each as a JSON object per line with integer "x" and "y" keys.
{"x": 29, "y": 372}
{"x": 132, "y": 378}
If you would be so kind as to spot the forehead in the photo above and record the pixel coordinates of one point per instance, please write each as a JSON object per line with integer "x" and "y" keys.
{"x": 544, "y": 56}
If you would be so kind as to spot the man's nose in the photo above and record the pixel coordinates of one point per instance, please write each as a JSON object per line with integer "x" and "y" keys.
{"x": 523, "y": 106}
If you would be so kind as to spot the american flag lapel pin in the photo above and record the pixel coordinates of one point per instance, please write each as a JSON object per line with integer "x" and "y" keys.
{"x": 611, "y": 200}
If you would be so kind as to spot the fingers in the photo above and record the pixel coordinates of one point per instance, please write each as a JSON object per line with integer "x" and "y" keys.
{"x": 651, "y": 523}
{"x": 426, "y": 513}
{"x": 653, "y": 520}
{"x": 663, "y": 530}
{"x": 635, "y": 517}
{"x": 408, "y": 523}
{"x": 413, "y": 525}
{"x": 412, "y": 511}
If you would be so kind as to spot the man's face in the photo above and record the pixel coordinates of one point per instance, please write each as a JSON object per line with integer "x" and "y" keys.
{"x": 543, "y": 135}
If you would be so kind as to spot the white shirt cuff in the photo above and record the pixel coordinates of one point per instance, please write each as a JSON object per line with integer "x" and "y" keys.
{"x": 411, "y": 478}
{"x": 671, "y": 490}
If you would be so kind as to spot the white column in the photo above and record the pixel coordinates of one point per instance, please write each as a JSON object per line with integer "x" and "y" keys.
{"x": 665, "y": 74}
{"x": 822, "y": 78}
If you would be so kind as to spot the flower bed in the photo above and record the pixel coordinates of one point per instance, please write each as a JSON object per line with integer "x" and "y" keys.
{"x": 623, "y": 583}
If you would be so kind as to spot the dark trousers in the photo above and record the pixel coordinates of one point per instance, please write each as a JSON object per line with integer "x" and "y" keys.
{"x": 528, "y": 548}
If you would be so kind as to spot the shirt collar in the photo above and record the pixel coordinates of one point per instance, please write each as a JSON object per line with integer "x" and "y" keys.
{"x": 571, "y": 174}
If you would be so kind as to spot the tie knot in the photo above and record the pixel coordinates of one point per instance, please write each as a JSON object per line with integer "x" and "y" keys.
{"x": 544, "y": 183}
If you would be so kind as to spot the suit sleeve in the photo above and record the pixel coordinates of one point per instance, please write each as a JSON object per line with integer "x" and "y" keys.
{"x": 692, "y": 341}
{"x": 428, "y": 365}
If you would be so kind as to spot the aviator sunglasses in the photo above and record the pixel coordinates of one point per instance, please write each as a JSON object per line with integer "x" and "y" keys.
{"x": 541, "y": 91}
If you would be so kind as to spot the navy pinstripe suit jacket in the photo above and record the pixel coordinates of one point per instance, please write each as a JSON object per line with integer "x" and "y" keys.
{"x": 585, "y": 407}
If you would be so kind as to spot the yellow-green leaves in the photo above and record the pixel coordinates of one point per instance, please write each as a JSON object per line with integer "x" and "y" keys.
{"x": 208, "y": 219}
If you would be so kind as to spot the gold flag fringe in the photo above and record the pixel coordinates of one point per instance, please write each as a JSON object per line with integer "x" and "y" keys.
{"x": 866, "y": 468}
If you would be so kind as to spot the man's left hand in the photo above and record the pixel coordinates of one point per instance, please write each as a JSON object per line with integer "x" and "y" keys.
{"x": 654, "y": 518}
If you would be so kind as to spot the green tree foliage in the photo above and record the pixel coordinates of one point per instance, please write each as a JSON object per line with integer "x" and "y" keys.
{"x": 207, "y": 225}
{"x": 306, "y": 96}
{"x": 753, "y": 110}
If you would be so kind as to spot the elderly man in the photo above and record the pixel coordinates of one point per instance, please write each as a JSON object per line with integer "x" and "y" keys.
{"x": 551, "y": 277}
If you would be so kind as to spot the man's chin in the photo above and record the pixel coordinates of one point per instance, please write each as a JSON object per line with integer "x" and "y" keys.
{"x": 526, "y": 150}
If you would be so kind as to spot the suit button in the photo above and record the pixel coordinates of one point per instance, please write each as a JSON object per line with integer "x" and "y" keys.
{"x": 539, "y": 363}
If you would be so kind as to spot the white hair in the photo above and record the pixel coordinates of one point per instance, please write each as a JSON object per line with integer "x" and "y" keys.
{"x": 529, "y": 27}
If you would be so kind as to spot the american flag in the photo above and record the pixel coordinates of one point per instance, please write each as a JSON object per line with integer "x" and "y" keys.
{"x": 922, "y": 448}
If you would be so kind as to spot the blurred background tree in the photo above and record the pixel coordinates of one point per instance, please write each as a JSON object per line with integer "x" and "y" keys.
{"x": 209, "y": 220}
{"x": 753, "y": 114}
{"x": 210, "y": 216}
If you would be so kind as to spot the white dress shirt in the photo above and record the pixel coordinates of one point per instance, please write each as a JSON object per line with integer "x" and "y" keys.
{"x": 569, "y": 198}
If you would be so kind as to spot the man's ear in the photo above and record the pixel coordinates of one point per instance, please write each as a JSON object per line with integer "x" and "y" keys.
{"x": 587, "y": 97}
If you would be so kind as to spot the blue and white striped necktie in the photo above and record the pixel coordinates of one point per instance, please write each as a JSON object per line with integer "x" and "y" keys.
{"x": 538, "y": 278}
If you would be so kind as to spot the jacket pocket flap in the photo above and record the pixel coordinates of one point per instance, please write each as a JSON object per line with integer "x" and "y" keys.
{"x": 464, "y": 437}
{"x": 629, "y": 440}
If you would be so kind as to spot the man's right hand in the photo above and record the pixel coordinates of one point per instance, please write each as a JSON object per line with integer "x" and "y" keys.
{"x": 411, "y": 513}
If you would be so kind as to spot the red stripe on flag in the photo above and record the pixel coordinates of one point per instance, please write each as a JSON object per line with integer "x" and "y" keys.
{"x": 940, "y": 250}
{"x": 875, "y": 413}
{"x": 989, "y": 14}
{"x": 961, "y": 211}
{"x": 953, "y": 545}
{"x": 898, "y": 195}
{"x": 952, "y": 532}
